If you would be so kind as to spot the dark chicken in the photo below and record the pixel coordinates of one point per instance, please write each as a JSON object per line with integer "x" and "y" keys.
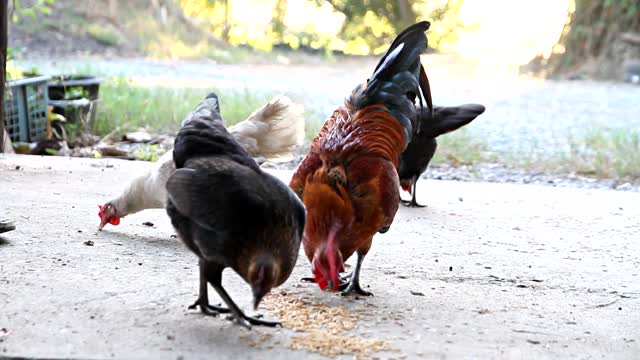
{"x": 230, "y": 213}
{"x": 416, "y": 157}
{"x": 348, "y": 181}
{"x": 272, "y": 132}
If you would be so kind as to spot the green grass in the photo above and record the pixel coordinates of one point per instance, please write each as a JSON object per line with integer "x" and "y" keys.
{"x": 605, "y": 153}
{"x": 313, "y": 123}
{"x": 126, "y": 107}
{"x": 461, "y": 147}
{"x": 599, "y": 152}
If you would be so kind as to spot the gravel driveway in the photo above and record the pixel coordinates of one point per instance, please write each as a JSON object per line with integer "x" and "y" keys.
{"x": 523, "y": 114}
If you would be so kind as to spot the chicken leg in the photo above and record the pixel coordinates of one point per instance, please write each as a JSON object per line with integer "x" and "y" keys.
{"x": 413, "y": 202}
{"x": 354, "y": 284}
{"x": 203, "y": 296}
{"x": 214, "y": 277}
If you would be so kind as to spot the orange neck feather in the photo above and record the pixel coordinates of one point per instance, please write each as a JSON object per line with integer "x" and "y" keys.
{"x": 370, "y": 131}
{"x": 326, "y": 207}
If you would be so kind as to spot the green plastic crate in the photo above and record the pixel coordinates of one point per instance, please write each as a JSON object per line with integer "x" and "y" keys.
{"x": 25, "y": 108}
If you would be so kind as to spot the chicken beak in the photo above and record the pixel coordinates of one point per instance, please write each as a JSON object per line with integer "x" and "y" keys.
{"x": 103, "y": 222}
{"x": 258, "y": 294}
{"x": 330, "y": 285}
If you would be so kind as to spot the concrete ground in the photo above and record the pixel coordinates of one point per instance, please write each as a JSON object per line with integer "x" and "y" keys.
{"x": 485, "y": 271}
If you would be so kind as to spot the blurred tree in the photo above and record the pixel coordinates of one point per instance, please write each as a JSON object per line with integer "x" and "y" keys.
{"x": 278, "y": 26}
{"x": 374, "y": 23}
{"x": 399, "y": 13}
{"x": 215, "y": 13}
{"x": 596, "y": 32}
{"x": 31, "y": 8}
{"x": 369, "y": 26}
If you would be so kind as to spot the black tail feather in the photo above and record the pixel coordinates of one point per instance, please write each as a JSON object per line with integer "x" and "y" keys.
{"x": 413, "y": 40}
{"x": 447, "y": 119}
{"x": 398, "y": 79}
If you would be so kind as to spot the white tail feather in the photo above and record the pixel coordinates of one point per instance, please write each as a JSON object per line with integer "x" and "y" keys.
{"x": 273, "y": 131}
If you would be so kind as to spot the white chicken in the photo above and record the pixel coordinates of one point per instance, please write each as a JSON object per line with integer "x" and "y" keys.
{"x": 271, "y": 132}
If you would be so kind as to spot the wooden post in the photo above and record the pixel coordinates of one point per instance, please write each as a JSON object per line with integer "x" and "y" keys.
{"x": 225, "y": 30}
{"x": 3, "y": 66}
{"x": 407, "y": 15}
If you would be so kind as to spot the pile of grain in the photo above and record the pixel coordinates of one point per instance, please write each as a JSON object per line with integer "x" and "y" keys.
{"x": 324, "y": 327}
{"x": 302, "y": 315}
{"x": 334, "y": 345}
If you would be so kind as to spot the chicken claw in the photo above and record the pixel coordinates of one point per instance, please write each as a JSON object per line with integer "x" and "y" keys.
{"x": 346, "y": 286}
{"x": 208, "y": 309}
{"x": 203, "y": 297}
{"x": 343, "y": 278}
{"x": 247, "y": 321}
{"x": 413, "y": 203}
{"x": 353, "y": 285}
{"x": 236, "y": 314}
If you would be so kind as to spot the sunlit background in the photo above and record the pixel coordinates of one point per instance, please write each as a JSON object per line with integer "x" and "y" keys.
{"x": 496, "y": 31}
{"x": 511, "y": 32}
{"x": 537, "y": 65}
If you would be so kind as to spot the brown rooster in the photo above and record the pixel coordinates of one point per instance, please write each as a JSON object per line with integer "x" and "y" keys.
{"x": 348, "y": 181}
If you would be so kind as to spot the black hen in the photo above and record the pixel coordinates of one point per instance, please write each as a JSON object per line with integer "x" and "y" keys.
{"x": 416, "y": 157}
{"x": 230, "y": 213}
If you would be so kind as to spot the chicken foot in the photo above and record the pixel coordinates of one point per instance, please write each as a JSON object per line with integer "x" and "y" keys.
{"x": 353, "y": 285}
{"x": 203, "y": 297}
{"x": 342, "y": 277}
{"x": 413, "y": 202}
{"x": 214, "y": 277}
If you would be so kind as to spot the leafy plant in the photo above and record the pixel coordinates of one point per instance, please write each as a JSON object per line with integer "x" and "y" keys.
{"x": 75, "y": 92}
{"x": 149, "y": 152}
{"x": 35, "y": 8}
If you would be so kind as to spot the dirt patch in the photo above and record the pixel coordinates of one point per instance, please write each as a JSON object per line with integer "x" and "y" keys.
{"x": 60, "y": 44}
{"x": 65, "y": 33}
